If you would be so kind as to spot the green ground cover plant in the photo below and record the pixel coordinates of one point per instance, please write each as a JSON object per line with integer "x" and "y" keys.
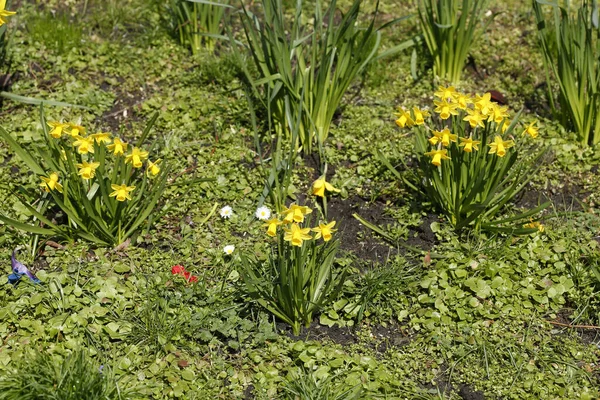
{"x": 416, "y": 310}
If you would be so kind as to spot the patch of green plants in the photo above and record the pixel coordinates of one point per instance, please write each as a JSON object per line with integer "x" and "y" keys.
{"x": 195, "y": 23}
{"x": 570, "y": 46}
{"x": 450, "y": 27}
{"x": 310, "y": 65}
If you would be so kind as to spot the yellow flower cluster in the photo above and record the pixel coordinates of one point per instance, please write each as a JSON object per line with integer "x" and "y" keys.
{"x": 292, "y": 217}
{"x": 87, "y": 145}
{"x": 479, "y": 111}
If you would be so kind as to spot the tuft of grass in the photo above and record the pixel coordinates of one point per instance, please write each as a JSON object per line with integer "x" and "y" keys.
{"x": 57, "y": 32}
{"x": 307, "y": 386}
{"x": 154, "y": 324}
{"x": 42, "y": 376}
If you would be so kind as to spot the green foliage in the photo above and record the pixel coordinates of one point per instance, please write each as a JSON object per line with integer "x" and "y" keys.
{"x": 450, "y": 27}
{"x": 571, "y": 50}
{"x": 196, "y": 23}
{"x": 43, "y": 376}
{"x": 472, "y": 185}
{"x": 82, "y": 199}
{"x": 311, "y": 66}
{"x": 298, "y": 279}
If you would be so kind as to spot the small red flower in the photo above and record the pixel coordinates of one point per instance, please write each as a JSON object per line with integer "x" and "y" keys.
{"x": 180, "y": 270}
{"x": 177, "y": 269}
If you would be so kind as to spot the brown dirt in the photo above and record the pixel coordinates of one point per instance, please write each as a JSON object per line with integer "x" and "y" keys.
{"x": 339, "y": 335}
{"x": 354, "y": 236}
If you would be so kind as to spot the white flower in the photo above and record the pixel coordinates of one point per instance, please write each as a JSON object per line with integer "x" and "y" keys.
{"x": 226, "y": 212}
{"x": 228, "y": 249}
{"x": 263, "y": 213}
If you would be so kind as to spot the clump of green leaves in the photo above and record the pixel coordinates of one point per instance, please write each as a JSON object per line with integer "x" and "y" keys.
{"x": 450, "y": 27}
{"x": 468, "y": 164}
{"x": 299, "y": 278}
{"x": 196, "y": 23}
{"x": 311, "y": 65}
{"x": 571, "y": 51}
{"x": 43, "y": 376}
{"x": 91, "y": 187}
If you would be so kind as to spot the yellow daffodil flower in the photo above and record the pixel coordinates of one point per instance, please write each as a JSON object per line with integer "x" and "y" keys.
{"x": 84, "y": 145}
{"x": 296, "y": 235}
{"x": 484, "y": 103}
{"x": 57, "y": 129}
{"x": 4, "y": 12}
{"x": 498, "y": 113}
{"x": 531, "y": 130}
{"x": 505, "y": 126}
{"x": 499, "y": 146}
{"x": 445, "y": 93}
{"x": 121, "y": 192}
{"x": 469, "y": 144}
{"x": 51, "y": 182}
{"x": 295, "y": 213}
{"x": 443, "y": 136}
{"x": 445, "y": 109}
{"x": 76, "y": 130}
{"x": 319, "y": 187}
{"x": 438, "y": 156}
{"x": 87, "y": 170}
{"x": 420, "y": 115}
{"x": 272, "y": 226}
{"x": 117, "y": 147}
{"x": 475, "y": 118}
{"x": 462, "y": 100}
{"x": 535, "y": 224}
{"x": 325, "y": 231}
{"x": 136, "y": 157}
{"x": 404, "y": 118}
{"x": 153, "y": 169}
{"x": 102, "y": 137}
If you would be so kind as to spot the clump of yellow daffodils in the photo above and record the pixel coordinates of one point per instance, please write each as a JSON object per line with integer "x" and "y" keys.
{"x": 89, "y": 154}
{"x": 465, "y": 144}
{"x": 109, "y": 192}
{"x": 291, "y": 219}
{"x": 487, "y": 123}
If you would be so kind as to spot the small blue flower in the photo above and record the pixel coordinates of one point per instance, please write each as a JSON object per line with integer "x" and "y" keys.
{"x": 19, "y": 270}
